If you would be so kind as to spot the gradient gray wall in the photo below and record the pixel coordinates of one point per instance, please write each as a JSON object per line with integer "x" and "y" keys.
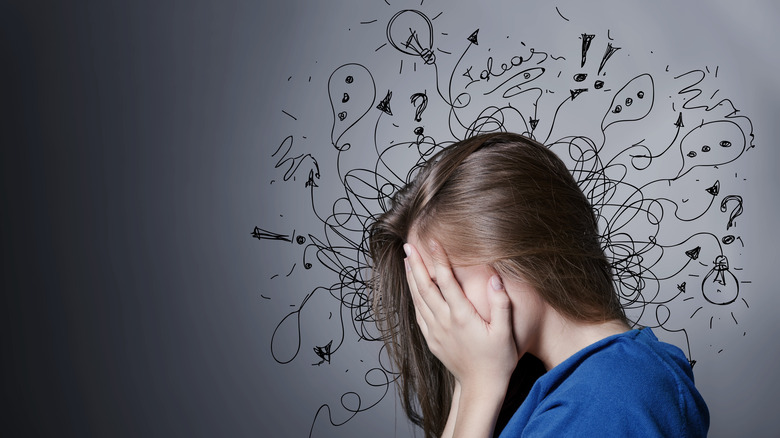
{"x": 136, "y": 141}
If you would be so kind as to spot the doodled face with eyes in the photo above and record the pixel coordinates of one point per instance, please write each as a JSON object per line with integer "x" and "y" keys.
{"x": 528, "y": 307}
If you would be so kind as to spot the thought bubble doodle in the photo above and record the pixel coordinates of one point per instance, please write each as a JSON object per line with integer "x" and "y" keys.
{"x": 352, "y": 92}
{"x": 711, "y": 144}
{"x": 632, "y": 102}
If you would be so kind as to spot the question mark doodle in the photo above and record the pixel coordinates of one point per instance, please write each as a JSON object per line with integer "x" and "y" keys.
{"x": 639, "y": 214}
{"x": 422, "y": 98}
{"x": 734, "y": 213}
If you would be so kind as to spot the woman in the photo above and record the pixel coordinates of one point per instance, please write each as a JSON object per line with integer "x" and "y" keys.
{"x": 489, "y": 279}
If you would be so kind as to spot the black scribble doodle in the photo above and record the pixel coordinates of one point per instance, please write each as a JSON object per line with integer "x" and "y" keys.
{"x": 607, "y": 54}
{"x": 259, "y": 233}
{"x": 693, "y": 254}
{"x": 640, "y": 88}
{"x": 411, "y": 32}
{"x": 586, "y": 40}
{"x": 561, "y": 15}
{"x": 355, "y": 79}
{"x": 310, "y": 181}
{"x": 324, "y": 353}
{"x": 679, "y": 123}
{"x": 473, "y": 38}
{"x": 420, "y": 101}
{"x": 652, "y": 157}
{"x": 714, "y": 189}
{"x": 720, "y": 286}
{"x": 281, "y": 326}
{"x": 293, "y": 163}
{"x": 577, "y": 92}
{"x": 291, "y": 270}
{"x": 712, "y": 144}
{"x": 384, "y": 105}
{"x": 737, "y": 209}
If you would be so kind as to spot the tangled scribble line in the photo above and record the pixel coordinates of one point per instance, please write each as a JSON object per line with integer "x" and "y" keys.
{"x": 652, "y": 151}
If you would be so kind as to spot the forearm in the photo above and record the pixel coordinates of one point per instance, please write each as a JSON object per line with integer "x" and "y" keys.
{"x": 449, "y": 428}
{"x": 477, "y": 410}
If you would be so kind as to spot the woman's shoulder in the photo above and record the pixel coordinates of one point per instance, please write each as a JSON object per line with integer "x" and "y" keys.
{"x": 636, "y": 356}
{"x": 633, "y": 365}
{"x": 630, "y": 382}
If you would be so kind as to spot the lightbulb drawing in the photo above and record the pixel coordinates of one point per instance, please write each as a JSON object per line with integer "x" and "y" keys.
{"x": 411, "y": 32}
{"x": 720, "y": 286}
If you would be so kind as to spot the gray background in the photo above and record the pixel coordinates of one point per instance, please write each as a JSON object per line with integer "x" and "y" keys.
{"x": 136, "y": 141}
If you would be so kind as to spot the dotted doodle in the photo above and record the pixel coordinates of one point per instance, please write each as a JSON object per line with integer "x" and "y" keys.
{"x": 653, "y": 151}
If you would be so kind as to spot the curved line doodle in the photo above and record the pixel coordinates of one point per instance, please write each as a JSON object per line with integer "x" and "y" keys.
{"x": 653, "y": 167}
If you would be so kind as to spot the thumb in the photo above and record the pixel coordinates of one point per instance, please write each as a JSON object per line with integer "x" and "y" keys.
{"x": 500, "y": 306}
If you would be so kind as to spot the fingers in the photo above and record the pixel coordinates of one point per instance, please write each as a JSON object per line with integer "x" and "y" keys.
{"x": 426, "y": 288}
{"x": 421, "y": 310}
{"x": 500, "y": 306}
{"x": 448, "y": 284}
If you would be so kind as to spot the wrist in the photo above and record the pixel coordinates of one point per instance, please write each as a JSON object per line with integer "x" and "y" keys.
{"x": 478, "y": 409}
{"x": 484, "y": 385}
{"x": 483, "y": 392}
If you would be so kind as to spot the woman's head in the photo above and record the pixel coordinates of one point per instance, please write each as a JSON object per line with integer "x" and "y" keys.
{"x": 501, "y": 200}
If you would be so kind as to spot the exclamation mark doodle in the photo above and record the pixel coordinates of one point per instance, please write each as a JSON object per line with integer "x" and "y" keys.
{"x": 586, "y": 39}
{"x": 607, "y": 54}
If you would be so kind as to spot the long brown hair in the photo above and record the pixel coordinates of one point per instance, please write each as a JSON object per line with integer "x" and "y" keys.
{"x": 498, "y": 199}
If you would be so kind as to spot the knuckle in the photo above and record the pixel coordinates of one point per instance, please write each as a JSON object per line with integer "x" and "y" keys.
{"x": 459, "y": 315}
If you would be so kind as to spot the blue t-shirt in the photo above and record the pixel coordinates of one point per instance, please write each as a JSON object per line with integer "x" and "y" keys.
{"x": 629, "y": 384}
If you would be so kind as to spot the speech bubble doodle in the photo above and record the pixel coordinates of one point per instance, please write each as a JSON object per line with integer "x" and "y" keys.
{"x": 352, "y": 92}
{"x": 632, "y": 102}
{"x": 711, "y": 144}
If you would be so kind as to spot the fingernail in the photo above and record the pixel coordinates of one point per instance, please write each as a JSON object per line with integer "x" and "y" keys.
{"x": 407, "y": 250}
{"x": 433, "y": 245}
{"x": 406, "y": 263}
{"x": 495, "y": 282}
